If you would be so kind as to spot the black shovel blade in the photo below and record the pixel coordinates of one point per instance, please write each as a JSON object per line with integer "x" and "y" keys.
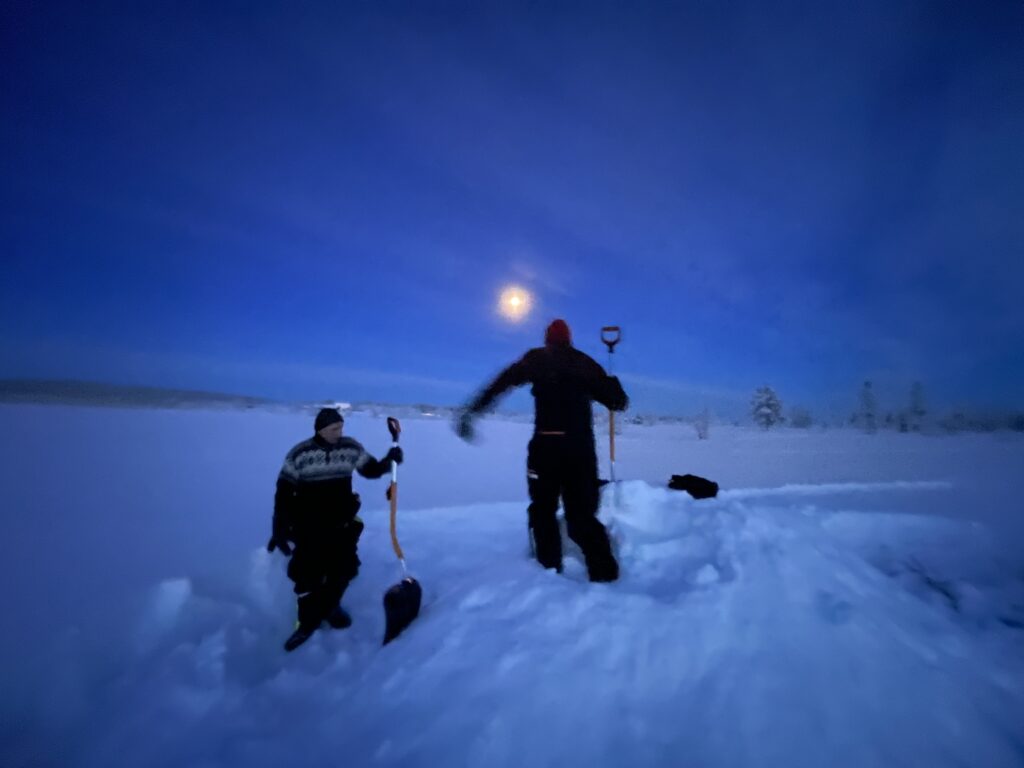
{"x": 401, "y": 606}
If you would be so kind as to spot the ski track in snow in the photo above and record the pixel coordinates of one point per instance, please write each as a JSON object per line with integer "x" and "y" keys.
{"x": 770, "y": 626}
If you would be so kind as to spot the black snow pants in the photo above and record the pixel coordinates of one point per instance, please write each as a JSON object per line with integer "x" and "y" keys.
{"x": 322, "y": 565}
{"x": 561, "y": 466}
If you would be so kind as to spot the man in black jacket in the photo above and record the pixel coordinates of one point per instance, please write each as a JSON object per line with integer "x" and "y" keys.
{"x": 562, "y": 460}
{"x": 315, "y": 508}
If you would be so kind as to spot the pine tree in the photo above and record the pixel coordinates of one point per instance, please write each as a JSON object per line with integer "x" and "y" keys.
{"x": 703, "y": 424}
{"x": 766, "y": 408}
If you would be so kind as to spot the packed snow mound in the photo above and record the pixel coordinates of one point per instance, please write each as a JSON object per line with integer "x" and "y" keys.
{"x": 749, "y": 630}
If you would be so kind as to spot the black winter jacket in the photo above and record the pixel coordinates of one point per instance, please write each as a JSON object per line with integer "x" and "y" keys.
{"x": 565, "y": 381}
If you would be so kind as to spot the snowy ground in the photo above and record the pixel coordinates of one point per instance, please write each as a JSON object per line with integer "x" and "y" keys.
{"x": 848, "y": 600}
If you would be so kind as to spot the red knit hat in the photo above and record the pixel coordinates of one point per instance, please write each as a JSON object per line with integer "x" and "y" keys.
{"x": 558, "y": 333}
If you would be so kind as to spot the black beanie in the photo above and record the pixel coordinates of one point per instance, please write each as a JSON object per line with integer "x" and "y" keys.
{"x": 326, "y": 417}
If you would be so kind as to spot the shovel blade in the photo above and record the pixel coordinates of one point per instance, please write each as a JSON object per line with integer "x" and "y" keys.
{"x": 401, "y": 607}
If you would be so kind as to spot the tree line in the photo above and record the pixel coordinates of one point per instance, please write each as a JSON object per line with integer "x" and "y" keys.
{"x": 914, "y": 415}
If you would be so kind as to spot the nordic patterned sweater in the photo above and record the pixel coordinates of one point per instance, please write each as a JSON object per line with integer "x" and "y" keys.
{"x": 314, "y": 488}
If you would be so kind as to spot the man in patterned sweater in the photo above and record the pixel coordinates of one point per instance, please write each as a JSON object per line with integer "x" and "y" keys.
{"x": 315, "y": 508}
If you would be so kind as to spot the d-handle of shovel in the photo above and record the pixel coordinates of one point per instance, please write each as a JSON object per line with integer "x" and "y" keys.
{"x": 395, "y": 428}
{"x": 611, "y": 335}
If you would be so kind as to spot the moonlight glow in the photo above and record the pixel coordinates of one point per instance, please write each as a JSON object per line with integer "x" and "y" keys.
{"x": 514, "y": 303}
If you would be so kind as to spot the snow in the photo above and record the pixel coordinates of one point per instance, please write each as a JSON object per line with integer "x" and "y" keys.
{"x": 848, "y": 599}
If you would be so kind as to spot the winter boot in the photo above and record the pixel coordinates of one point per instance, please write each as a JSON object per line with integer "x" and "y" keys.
{"x": 298, "y": 637}
{"x": 339, "y": 618}
{"x": 604, "y": 569}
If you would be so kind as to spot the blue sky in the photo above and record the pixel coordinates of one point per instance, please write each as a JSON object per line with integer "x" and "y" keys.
{"x": 325, "y": 200}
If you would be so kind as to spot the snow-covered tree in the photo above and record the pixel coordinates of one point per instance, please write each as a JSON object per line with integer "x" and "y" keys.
{"x": 766, "y": 408}
{"x": 868, "y": 408}
{"x": 703, "y": 424}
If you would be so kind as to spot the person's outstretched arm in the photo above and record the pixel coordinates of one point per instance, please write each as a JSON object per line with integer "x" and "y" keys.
{"x": 515, "y": 375}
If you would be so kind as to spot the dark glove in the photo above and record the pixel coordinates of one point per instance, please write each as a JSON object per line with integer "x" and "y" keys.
{"x": 395, "y": 455}
{"x": 278, "y": 543}
{"x": 464, "y": 426}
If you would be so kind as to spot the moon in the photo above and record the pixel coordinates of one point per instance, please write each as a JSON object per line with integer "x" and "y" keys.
{"x": 514, "y": 303}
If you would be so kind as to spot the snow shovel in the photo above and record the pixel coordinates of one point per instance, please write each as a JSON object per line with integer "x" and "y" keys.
{"x": 402, "y": 601}
{"x": 611, "y": 335}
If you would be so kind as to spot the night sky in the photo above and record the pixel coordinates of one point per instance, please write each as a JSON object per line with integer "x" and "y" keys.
{"x": 309, "y": 201}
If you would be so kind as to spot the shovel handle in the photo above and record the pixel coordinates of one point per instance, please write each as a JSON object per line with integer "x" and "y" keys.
{"x": 611, "y": 335}
{"x": 395, "y": 428}
{"x": 611, "y": 437}
{"x": 394, "y": 524}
